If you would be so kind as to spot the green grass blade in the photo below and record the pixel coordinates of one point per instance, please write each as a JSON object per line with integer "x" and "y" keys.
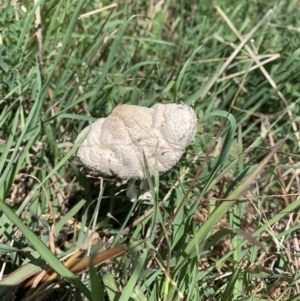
{"x": 44, "y": 252}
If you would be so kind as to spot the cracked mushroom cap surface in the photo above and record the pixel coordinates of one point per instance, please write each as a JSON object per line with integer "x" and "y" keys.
{"x": 133, "y": 138}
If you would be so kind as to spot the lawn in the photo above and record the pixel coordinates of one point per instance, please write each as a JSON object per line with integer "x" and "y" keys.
{"x": 223, "y": 224}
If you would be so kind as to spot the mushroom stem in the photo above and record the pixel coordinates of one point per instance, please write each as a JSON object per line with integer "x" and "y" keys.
{"x": 132, "y": 192}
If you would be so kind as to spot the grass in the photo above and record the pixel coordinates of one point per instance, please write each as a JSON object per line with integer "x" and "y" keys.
{"x": 224, "y": 222}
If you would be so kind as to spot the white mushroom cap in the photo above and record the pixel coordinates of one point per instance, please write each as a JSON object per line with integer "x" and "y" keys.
{"x": 134, "y": 138}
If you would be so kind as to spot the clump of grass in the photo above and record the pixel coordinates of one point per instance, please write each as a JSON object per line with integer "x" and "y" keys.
{"x": 223, "y": 221}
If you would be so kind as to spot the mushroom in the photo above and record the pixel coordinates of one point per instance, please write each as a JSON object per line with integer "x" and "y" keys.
{"x": 134, "y": 138}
